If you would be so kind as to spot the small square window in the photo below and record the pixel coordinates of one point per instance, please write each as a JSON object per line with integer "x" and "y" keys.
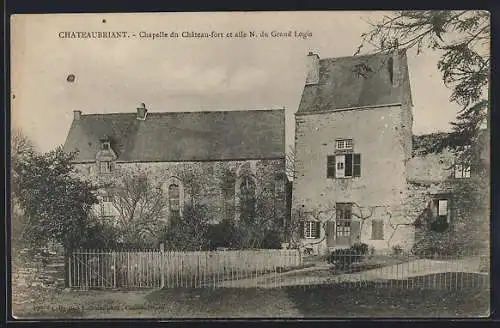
{"x": 344, "y": 144}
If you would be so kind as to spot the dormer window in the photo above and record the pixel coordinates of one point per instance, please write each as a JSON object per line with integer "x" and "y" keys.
{"x": 105, "y": 143}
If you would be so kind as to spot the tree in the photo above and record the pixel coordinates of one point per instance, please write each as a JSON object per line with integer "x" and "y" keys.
{"x": 55, "y": 204}
{"x": 462, "y": 38}
{"x": 189, "y": 233}
{"x": 261, "y": 221}
{"x": 141, "y": 206}
{"x": 21, "y": 150}
{"x": 291, "y": 170}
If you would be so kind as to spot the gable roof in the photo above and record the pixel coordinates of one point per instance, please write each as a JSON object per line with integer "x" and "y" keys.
{"x": 340, "y": 85}
{"x": 181, "y": 136}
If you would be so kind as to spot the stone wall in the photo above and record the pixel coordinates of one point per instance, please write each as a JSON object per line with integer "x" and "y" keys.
{"x": 383, "y": 138}
{"x": 36, "y": 270}
{"x": 213, "y": 183}
{"x": 431, "y": 176}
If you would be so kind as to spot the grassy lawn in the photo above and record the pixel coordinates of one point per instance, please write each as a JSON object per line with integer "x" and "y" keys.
{"x": 292, "y": 302}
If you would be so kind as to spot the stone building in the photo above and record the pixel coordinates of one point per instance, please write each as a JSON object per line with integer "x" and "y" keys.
{"x": 361, "y": 175}
{"x": 353, "y": 141}
{"x": 222, "y": 159}
{"x": 449, "y": 198}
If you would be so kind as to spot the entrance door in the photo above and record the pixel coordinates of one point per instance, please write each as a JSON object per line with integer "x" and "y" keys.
{"x": 343, "y": 220}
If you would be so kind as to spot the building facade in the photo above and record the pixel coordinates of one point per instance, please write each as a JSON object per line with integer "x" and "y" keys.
{"x": 449, "y": 196}
{"x": 220, "y": 159}
{"x": 353, "y": 141}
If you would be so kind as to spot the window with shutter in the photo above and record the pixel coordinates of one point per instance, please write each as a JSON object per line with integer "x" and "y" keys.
{"x": 318, "y": 229}
{"x": 348, "y": 165}
{"x": 356, "y": 165}
{"x": 377, "y": 229}
{"x": 340, "y": 166}
{"x": 330, "y": 167}
{"x": 311, "y": 229}
{"x": 344, "y": 166}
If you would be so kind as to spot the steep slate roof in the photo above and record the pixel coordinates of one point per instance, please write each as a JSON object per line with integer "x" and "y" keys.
{"x": 181, "y": 136}
{"x": 339, "y": 85}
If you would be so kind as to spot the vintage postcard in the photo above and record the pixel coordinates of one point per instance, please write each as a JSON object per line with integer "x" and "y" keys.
{"x": 250, "y": 165}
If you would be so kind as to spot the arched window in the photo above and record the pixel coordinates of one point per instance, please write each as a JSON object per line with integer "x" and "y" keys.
{"x": 174, "y": 201}
{"x": 247, "y": 198}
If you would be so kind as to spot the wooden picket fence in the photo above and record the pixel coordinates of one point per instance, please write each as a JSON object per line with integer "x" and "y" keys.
{"x": 156, "y": 268}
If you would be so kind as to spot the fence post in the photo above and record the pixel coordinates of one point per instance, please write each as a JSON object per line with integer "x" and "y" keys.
{"x": 68, "y": 271}
{"x": 114, "y": 268}
{"x": 162, "y": 265}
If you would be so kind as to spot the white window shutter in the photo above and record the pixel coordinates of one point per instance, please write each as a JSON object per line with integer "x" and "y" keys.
{"x": 442, "y": 207}
{"x": 340, "y": 166}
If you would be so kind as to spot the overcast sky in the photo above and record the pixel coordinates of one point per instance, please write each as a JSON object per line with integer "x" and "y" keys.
{"x": 187, "y": 74}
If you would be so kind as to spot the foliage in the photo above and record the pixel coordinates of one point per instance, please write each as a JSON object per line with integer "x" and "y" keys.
{"x": 188, "y": 233}
{"x": 397, "y": 250}
{"x": 223, "y": 234}
{"x": 21, "y": 150}
{"x": 290, "y": 165}
{"x": 437, "y": 244}
{"x": 141, "y": 205}
{"x": 343, "y": 258}
{"x": 258, "y": 226}
{"x": 55, "y": 204}
{"x": 462, "y": 38}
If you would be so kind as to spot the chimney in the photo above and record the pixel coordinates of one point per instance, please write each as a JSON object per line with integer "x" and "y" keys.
{"x": 141, "y": 112}
{"x": 396, "y": 62}
{"x": 312, "y": 68}
{"x": 77, "y": 114}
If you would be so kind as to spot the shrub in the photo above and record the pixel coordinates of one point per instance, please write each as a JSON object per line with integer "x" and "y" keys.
{"x": 343, "y": 258}
{"x": 272, "y": 240}
{"x": 431, "y": 248}
{"x": 397, "y": 250}
{"x": 360, "y": 248}
{"x": 223, "y": 234}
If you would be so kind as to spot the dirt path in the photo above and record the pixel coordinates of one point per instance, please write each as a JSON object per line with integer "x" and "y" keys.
{"x": 401, "y": 271}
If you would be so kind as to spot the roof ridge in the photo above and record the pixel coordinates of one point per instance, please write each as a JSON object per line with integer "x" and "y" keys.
{"x": 356, "y": 56}
{"x": 190, "y": 112}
